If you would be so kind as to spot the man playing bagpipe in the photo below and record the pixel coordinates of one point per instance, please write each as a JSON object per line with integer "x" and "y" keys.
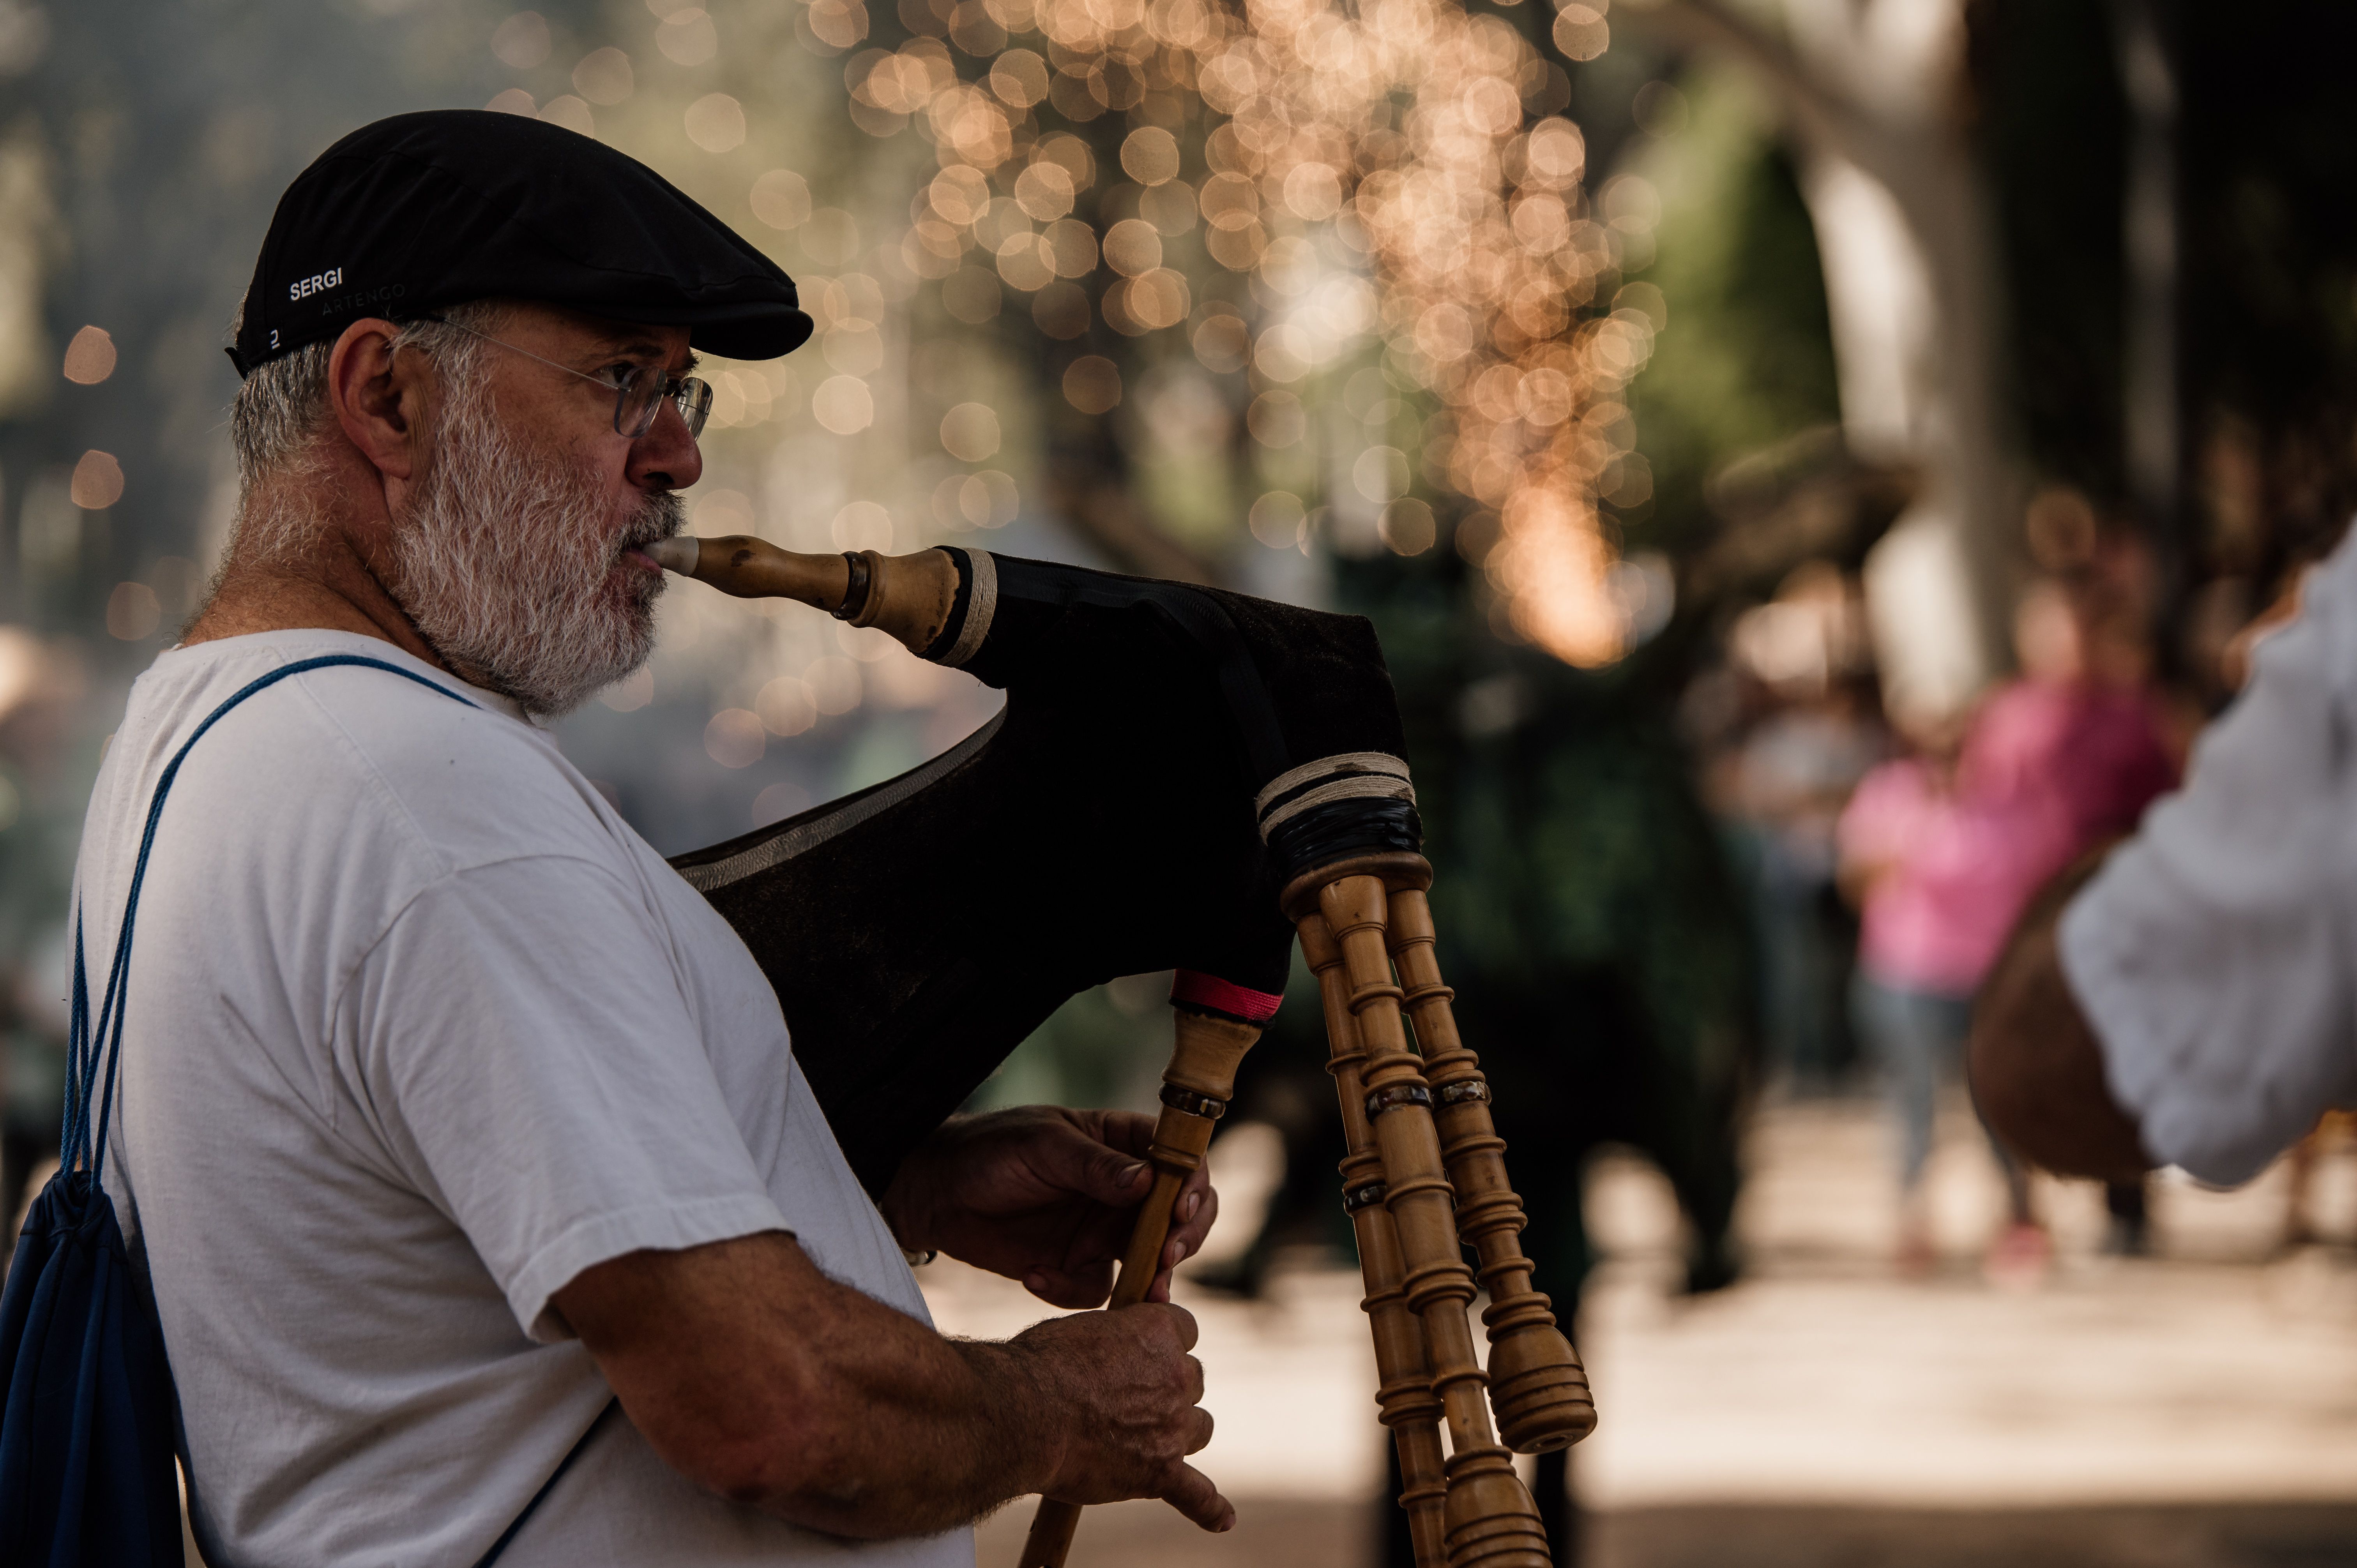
{"x": 485, "y": 1206}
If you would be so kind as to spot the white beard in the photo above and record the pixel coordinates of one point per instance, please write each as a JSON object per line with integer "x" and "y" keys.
{"x": 510, "y": 563}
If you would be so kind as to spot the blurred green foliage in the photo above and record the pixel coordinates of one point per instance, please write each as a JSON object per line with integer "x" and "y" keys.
{"x": 1746, "y": 358}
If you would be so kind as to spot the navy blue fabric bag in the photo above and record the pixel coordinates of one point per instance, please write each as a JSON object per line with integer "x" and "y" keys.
{"x": 87, "y": 1429}
{"x": 86, "y": 1439}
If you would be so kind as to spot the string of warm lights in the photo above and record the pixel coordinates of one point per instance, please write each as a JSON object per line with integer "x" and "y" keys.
{"x": 1385, "y": 144}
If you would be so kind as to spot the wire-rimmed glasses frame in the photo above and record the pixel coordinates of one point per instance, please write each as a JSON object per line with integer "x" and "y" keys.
{"x": 639, "y": 397}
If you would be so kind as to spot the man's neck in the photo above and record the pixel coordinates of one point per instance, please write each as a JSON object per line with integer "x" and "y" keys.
{"x": 322, "y": 578}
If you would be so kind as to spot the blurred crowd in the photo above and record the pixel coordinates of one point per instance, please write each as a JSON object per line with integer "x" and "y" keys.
{"x": 1889, "y": 851}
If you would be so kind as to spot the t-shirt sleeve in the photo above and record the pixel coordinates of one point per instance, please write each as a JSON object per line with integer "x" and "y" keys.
{"x": 521, "y": 1045}
{"x": 2212, "y": 953}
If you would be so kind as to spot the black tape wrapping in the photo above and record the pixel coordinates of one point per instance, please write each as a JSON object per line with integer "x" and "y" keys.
{"x": 1339, "y": 829}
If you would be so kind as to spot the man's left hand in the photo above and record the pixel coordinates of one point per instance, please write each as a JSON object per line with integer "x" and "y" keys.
{"x": 1044, "y": 1195}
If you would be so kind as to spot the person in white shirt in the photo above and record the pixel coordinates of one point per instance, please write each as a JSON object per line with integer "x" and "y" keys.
{"x": 460, "y": 1142}
{"x": 2190, "y": 999}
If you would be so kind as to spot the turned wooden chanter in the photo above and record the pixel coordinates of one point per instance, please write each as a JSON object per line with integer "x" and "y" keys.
{"x": 1424, "y": 1174}
{"x": 1212, "y": 1027}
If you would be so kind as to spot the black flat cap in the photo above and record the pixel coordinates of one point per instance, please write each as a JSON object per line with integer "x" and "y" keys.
{"x": 421, "y": 212}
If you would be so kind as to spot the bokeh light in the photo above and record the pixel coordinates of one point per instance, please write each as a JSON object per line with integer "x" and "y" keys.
{"x": 89, "y": 357}
{"x": 734, "y": 737}
{"x": 97, "y": 481}
{"x": 521, "y": 42}
{"x": 133, "y": 612}
{"x": 1375, "y": 176}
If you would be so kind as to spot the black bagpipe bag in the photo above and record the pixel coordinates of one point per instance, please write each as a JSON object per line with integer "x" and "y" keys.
{"x": 1168, "y": 757}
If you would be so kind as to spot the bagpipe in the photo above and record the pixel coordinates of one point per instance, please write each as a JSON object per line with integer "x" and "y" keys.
{"x": 1188, "y": 779}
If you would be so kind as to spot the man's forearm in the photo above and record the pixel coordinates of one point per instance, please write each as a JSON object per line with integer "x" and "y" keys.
{"x": 2035, "y": 1066}
{"x": 921, "y": 1434}
{"x": 801, "y": 1396}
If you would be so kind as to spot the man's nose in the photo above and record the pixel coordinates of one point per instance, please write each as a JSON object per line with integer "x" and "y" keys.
{"x": 666, "y": 458}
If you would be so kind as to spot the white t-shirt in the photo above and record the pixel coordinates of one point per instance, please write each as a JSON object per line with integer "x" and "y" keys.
{"x": 2216, "y": 954}
{"x": 418, "y": 1030}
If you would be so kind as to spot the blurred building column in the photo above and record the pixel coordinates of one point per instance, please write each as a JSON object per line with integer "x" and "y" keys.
{"x": 1927, "y": 585}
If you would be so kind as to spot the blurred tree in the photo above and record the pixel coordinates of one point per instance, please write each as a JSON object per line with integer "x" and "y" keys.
{"x": 1745, "y": 361}
{"x": 1876, "y": 95}
{"x": 2150, "y": 193}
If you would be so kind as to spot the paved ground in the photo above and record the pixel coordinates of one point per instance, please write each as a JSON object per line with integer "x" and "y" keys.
{"x": 2198, "y": 1409}
{"x": 1301, "y": 1534}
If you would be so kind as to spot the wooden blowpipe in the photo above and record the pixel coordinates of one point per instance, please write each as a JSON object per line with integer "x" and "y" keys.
{"x": 909, "y": 596}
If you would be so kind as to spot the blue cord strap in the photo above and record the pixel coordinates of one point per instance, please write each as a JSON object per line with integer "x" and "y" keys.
{"x": 82, "y": 1150}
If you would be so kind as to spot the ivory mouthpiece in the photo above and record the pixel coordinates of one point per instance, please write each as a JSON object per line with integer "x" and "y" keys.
{"x": 676, "y": 553}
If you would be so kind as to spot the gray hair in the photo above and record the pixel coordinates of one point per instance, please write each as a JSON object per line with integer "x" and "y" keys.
{"x": 282, "y": 408}
{"x": 281, "y": 413}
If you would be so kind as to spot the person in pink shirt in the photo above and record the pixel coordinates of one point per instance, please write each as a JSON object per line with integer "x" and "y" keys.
{"x": 1944, "y": 849}
{"x": 2076, "y": 749}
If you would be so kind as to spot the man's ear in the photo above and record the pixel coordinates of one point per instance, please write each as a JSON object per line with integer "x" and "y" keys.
{"x": 378, "y": 396}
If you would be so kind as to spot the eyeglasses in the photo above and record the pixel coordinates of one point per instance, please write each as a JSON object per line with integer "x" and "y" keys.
{"x": 638, "y": 397}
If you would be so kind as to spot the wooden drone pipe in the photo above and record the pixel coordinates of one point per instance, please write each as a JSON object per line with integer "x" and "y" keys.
{"x": 1537, "y": 1386}
{"x": 1196, "y": 1088}
{"x": 1403, "y": 1372}
{"x": 909, "y": 596}
{"x": 1489, "y": 1515}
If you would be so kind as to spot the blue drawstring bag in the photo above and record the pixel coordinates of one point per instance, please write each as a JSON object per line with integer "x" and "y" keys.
{"x": 87, "y": 1440}
{"x": 86, "y": 1443}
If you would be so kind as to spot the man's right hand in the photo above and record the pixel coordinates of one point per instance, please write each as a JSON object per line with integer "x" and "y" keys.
{"x": 758, "y": 1378}
{"x": 1133, "y": 1396}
